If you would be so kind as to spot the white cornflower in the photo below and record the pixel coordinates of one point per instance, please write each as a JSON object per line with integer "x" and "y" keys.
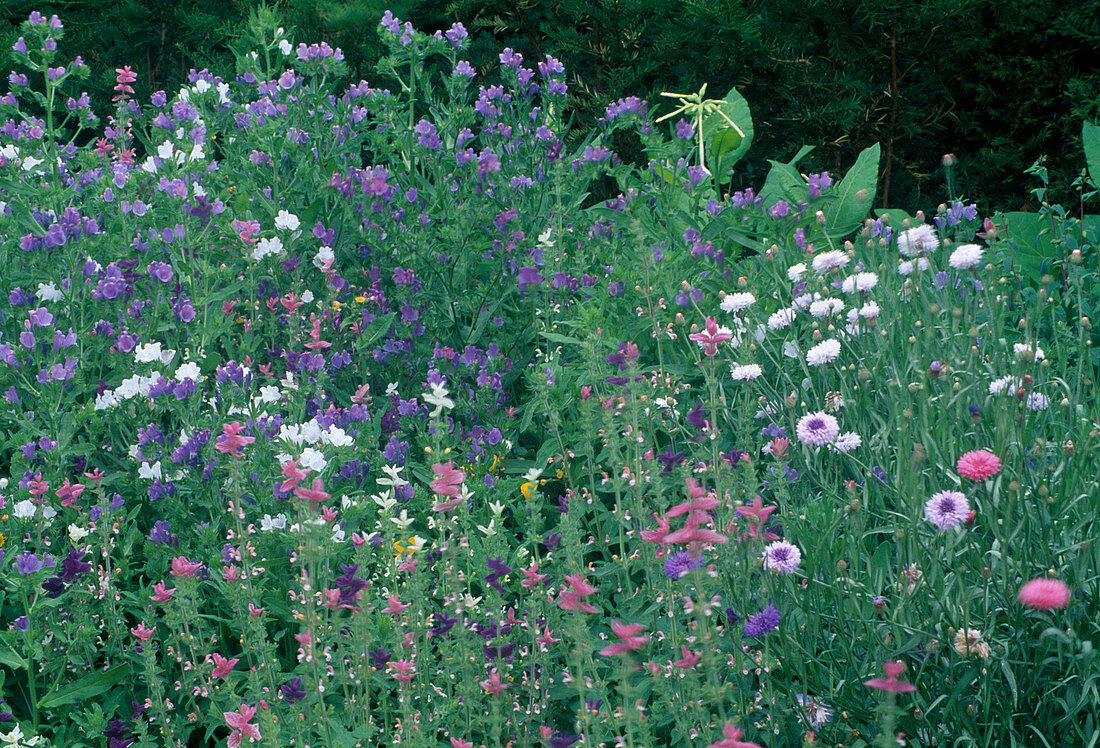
{"x": 735, "y": 302}
{"x": 823, "y": 353}
{"x": 919, "y": 240}
{"x": 846, "y": 442}
{"x": 1027, "y": 352}
{"x": 966, "y": 256}
{"x": 795, "y": 272}
{"x": 826, "y": 307}
{"x": 997, "y": 386}
{"x": 781, "y": 319}
{"x": 859, "y": 282}
{"x": 831, "y": 260}
{"x": 745, "y": 372}
{"x": 1037, "y": 401}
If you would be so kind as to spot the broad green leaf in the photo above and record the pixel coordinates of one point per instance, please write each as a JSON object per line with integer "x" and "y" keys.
{"x": 9, "y": 657}
{"x": 377, "y": 328}
{"x": 1033, "y": 243}
{"x": 784, "y": 182}
{"x": 86, "y": 688}
{"x": 1090, "y": 139}
{"x": 854, "y": 194}
{"x": 724, "y": 145}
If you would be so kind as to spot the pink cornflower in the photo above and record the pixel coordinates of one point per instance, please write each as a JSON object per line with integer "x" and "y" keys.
{"x": 223, "y": 666}
{"x": 1045, "y": 594}
{"x": 978, "y": 465}
{"x": 230, "y": 442}
{"x": 316, "y": 494}
{"x": 711, "y": 336}
{"x": 629, "y": 639}
{"x": 890, "y": 682}
{"x": 732, "y": 738}
{"x": 571, "y": 599}
{"x": 947, "y": 509}
{"x": 492, "y": 684}
{"x": 782, "y": 557}
{"x": 816, "y": 429}
{"x": 181, "y": 567}
{"x": 242, "y": 728}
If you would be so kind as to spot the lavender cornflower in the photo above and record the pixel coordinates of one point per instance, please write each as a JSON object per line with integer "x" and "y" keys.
{"x": 763, "y": 622}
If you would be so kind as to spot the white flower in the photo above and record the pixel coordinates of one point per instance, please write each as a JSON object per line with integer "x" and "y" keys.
{"x": 826, "y": 307}
{"x": 151, "y": 472}
{"x": 325, "y": 256}
{"x": 284, "y": 47}
{"x": 919, "y": 240}
{"x": 30, "y": 162}
{"x": 265, "y": 247}
{"x": 393, "y": 473}
{"x": 781, "y": 319}
{"x": 823, "y": 353}
{"x": 869, "y": 310}
{"x": 307, "y": 296}
{"x": 286, "y": 221}
{"x": 735, "y": 302}
{"x": 384, "y": 501}
{"x": 189, "y": 370}
{"x": 145, "y": 354}
{"x": 403, "y": 521}
{"x": 311, "y": 431}
{"x": 338, "y": 535}
{"x": 165, "y": 149}
{"x": 745, "y": 372}
{"x": 223, "y": 96}
{"x": 269, "y": 523}
{"x": 795, "y": 272}
{"x": 489, "y": 531}
{"x": 105, "y": 400}
{"x": 831, "y": 260}
{"x": 859, "y": 282}
{"x": 270, "y": 394}
{"x": 337, "y": 437}
{"x": 437, "y": 397}
{"x": 77, "y": 533}
{"x": 802, "y": 301}
{"x": 790, "y": 349}
{"x": 966, "y": 256}
{"x": 312, "y": 459}
{"x": 49, "y": 292}
{"x": 25, "y": 509}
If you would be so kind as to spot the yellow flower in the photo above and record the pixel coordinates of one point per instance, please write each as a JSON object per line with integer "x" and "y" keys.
{"x": 361, "y": 299}
{"x": 527, "y": 489}
{"x": 2, "y": 540}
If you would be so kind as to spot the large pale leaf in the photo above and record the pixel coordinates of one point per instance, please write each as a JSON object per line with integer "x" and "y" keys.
{"x": 784, "y": 182}
{"x": 1034, "y": 244}
{"x": 854, "y": 194}
{"x": 1090, "y": 138}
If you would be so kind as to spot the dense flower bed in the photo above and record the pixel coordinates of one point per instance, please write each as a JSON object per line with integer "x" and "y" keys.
{"x": 335, "y": 415}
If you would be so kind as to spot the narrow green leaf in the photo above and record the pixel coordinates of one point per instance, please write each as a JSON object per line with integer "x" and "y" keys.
{"x": 87, "y": 687}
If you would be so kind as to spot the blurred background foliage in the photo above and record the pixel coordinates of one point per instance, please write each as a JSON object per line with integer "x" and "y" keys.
{"x": 996, "y": 82}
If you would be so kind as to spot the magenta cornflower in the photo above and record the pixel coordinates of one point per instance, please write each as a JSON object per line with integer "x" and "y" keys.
{"x": 947, "y": 509}
{"x": 1045, "y": 594}
{"x": 978, "y": 465}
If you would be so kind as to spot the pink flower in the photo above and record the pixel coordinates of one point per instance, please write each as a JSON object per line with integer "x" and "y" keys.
{"x": 143, "y": 633}
{"x": 890, "y": 682}
{"x": 69, "y": 493}
{"x": 571, "y": 599}
{"x": 1045, "y": 594}
{"x": 700, "y": 500}
{"x": 447, "y": 480}
{"x": 658, "y": 535}
{"x": 181, "y": 567}
{"x": 732, "y": 738}
{"x": 629, "y": 639}
{"x": 239, "y": 721}
{"x": 315, "y": 495}
{"x": 756, "y": 512}
{"x": 492, "y": 684}
{"x": 161, "y": 595}
{"x": 230, "y": 442}
{"x": 404, "y": 670}
{"x": 711, "y": 336}
{"x": 460, "y": 743}
{"x": 395, "y": 606}
{"x": 689, "y": 660}
{"x": 222, "y": 666}
{"x": 978, "y": 465}
{"x": 533, "y": 577}
{"x": 293, "y": 476}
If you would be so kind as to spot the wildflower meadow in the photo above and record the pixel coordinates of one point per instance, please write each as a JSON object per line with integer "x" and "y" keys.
{"x": 346, "y": 414}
